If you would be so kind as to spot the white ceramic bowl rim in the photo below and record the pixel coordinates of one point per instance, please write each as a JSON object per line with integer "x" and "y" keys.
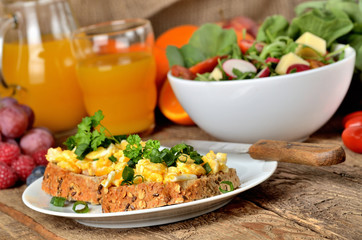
{"x": 349, "y": 53}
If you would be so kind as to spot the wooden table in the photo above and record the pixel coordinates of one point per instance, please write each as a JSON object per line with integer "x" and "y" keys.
{"x": 297, "y": 202}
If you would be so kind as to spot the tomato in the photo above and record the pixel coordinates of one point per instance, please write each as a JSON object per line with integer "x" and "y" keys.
{"x": 182, "y": 72}
{"x": 206, "y": 66}
{"x": 354, "y": 122}
{"x": 351, "y": 115}
{"x": 297, "y": 68}
{"x": 352, "y": 138}
{"x": 245, "y": 44}
{"x": 272, "y": 59}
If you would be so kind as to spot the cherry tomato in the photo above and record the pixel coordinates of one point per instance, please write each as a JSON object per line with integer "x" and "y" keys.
{"x": 206, "y": 66}
{"x": 245, "y": 44}
{"x": 352, "y": 138}
{"x": 354, "y": 122}
{"x": 272, "y": 59}
{"x": 182, "y": 72}
{"x": 351, "y": 115}
{"x": 297, "y": 68}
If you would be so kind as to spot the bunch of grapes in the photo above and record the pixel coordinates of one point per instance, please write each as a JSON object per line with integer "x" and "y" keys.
{"x": 22, "y": 146}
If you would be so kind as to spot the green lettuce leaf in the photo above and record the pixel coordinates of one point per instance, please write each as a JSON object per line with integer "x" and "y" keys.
{"x": 272, "y": 27}
{"x": 327, "y": 24}
{"x": 208, "y": 41}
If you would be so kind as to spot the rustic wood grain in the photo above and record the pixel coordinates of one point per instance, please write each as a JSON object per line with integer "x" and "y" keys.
{"x": 325, "y": 200}
{"x": 241, "y": 219}
{"x": 297, "y": 202}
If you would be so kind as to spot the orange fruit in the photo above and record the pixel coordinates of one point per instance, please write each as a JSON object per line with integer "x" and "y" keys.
{"x": 161, "y": 65}
{"x": 170, "y": 106}
{"x": 176, "y": 36}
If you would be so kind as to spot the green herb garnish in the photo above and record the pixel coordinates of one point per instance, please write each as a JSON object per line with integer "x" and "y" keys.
{"x": 151, "y": 151}
{"x": 85, "y": 209}
{"x": 58, "y": 201}
{"x": 88, "y": 138}
{"x": 112, "y": 158}
{"x": 207, "y": 168}
{"x": 230, "y": 184}
{"x": 127, "y": 175}
{"x": 138, "y": 176}
{"x": 134, "y": 148}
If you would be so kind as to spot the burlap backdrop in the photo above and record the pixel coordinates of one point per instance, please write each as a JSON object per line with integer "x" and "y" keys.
{"x": 167, "y": 13}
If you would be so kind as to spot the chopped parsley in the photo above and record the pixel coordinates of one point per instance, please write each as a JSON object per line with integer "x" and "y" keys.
{"x": 134, "y": 151}
{"x": 91, "y": 134}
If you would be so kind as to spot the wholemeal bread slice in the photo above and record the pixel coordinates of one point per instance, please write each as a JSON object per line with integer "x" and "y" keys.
{"x": 78, "y": 187}
{"x": 154, "y": 194}
{"x": 60, "y": 182}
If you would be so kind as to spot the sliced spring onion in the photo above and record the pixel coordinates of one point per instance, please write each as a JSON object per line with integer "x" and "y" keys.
{"x": 126, "y": 183}
{"x": 58, "y": 201}
{"x": 207, "y": 168}
{"x": 138, "y": 176}
{"x": 230, "y": 184}
{"x": 112, "y": 158}
{"x": 85, "y": 209}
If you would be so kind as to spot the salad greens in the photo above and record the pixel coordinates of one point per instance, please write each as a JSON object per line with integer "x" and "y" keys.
{"x": 335, "y": 21}
{"x": 272, "y": 27}
{"x": 208, "y": 41}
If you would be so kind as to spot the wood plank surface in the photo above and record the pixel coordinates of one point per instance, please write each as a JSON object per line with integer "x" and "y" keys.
{"x": 297, "y": 202}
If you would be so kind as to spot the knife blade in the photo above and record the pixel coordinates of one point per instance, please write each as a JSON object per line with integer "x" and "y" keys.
{"x": 315, "y": 154}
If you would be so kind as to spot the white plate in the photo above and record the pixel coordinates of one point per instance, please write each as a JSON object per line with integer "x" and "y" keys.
{"x": 251, "y": 173}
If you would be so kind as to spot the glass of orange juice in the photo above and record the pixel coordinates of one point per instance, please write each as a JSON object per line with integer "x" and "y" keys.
{"x": 116, "y": 72}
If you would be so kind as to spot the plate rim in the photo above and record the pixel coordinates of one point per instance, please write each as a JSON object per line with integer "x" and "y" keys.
{"x": 37, "y": 184}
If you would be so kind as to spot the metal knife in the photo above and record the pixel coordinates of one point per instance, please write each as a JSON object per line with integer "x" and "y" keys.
{"x": 315, "y": 154}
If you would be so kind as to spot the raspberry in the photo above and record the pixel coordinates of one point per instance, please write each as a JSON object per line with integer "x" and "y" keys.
{"x": 8, "y": 152}
{"x": 23, "y": 166}
{"x": 39, "y": 157}
{"x": 8, "y": 176}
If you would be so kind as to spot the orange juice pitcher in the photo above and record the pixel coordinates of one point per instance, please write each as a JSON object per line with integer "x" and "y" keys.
{"x": 38, "y": 67}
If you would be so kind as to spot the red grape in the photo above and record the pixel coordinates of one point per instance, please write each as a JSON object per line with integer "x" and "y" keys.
{"x": 13, "y": 121}
{"x": 35, "y": 139}
{"x": 7, "y": 101}
{"x": 29, "y": 112}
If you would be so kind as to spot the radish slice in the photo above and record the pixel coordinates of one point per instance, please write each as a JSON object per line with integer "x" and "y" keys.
{"x": 265, "y": 72}
{"x": 298, "y": 68}
{"x": 271, "y": 59}
{"x": 241, "y": 65}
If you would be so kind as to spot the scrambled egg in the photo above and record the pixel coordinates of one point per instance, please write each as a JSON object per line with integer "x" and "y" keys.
{"x": 97, "y": 163}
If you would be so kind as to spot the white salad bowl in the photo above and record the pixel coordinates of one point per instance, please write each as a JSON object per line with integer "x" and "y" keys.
{"x": 287, "y": 107}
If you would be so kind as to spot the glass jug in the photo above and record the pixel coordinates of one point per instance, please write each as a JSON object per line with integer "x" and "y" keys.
{"x": 38, "y": 67}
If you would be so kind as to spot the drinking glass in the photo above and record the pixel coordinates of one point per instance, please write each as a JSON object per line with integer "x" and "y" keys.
{"x": 116, "y": 72}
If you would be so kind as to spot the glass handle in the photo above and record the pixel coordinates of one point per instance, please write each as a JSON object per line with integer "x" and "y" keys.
{"x": 6, "y": 24}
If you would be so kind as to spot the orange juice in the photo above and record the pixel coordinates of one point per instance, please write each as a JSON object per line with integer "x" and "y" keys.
{"x": 47, "y": 74}
{"x": 122, "y": 85}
